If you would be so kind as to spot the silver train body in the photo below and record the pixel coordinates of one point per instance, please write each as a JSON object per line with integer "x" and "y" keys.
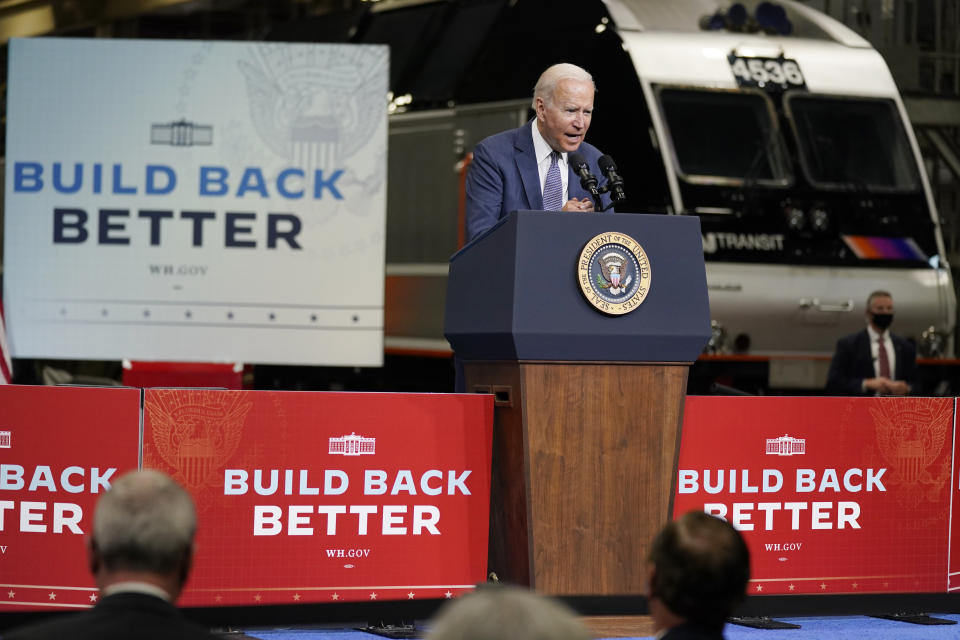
{"x": 794, "y": 150}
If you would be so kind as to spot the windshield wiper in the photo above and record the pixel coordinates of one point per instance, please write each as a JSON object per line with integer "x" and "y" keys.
{"x": 766, "y": 147}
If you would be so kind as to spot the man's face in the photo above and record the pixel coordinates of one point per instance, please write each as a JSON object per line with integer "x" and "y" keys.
{"x": 881, "y": 304}
{"x": 563, "y": 120}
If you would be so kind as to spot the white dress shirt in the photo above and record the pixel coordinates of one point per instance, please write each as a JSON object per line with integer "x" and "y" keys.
{"x": 543, "y": 151}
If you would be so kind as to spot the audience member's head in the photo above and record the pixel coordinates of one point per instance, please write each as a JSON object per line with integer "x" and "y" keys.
{"x": 879, "y": 310}
{"x": 143, "y": 531}
{"x": 699, "y": 567}
{"x": 506, "y": 613}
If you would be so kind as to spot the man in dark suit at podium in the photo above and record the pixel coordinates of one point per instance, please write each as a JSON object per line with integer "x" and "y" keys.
{"x": 874, "y": 361}
{"x": 139, "y": 555}
{"x": 699, "y": 567}
{"x": 529, "y": 167}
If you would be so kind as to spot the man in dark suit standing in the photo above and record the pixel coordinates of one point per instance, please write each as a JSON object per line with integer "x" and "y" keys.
{"x": 140, "y": 555}
{"x": 874, "y": 361}
{"x": 529, "y": 167}
{"x": 698, "y": 571}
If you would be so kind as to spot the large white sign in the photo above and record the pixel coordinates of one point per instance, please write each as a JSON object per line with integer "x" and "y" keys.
{"x": 196, "y": 201}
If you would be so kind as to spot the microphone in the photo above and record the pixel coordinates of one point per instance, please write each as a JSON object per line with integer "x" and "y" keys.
{"x": 614, "y": 181}
{"x": 587, "y": 180}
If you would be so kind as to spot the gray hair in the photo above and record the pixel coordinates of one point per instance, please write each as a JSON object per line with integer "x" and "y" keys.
{"x": 145, "y": 522}
{"x": 550, "y": 78}
{"x": 500, "y": 612}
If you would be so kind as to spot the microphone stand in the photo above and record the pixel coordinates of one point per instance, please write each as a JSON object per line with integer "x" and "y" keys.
{"x": 601, "y": 190}
{"x": 597, "y": 200}
{"x": 589, "y": 183}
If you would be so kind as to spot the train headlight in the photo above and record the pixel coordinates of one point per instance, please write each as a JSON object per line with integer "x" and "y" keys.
{"x": 712, "y": 22}
{"x": 772, "y": 19}
{"x": 819, "y": 220}
{"x": 737, "y": 17}
{"x": 796, "y": 220}
{"x": 768, "y": 17}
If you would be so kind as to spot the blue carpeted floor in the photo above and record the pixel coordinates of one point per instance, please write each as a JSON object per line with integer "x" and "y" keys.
{"x": 827, "y": 628}
{"x": 850, "y": 628}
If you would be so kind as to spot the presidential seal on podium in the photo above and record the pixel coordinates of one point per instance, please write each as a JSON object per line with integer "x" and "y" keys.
{"x": 614, "y": 273}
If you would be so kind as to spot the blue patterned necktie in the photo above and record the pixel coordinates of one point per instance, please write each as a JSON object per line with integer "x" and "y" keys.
{"x": 553, "y": 186}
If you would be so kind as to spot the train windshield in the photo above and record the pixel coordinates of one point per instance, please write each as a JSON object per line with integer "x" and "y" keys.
{"x": 852, "y": 143}
{"x": 725, "y": 137}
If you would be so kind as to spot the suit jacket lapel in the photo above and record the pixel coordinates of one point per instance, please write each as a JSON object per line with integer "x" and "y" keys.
{"x": 866, "y": 354}
{"x": 526, "y": 159}
{"x": 898, "y": 362}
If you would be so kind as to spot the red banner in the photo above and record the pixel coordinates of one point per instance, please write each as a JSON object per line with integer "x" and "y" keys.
{"x": 60, "y": 447}
{"x": 953, "y": 561}
{"x": 834, "y": 495}
{"x": 325, "y": 497}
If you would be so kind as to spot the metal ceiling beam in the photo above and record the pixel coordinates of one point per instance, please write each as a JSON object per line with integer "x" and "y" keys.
{"x": 29, "y": 19}
{"x": 933, "y": 111}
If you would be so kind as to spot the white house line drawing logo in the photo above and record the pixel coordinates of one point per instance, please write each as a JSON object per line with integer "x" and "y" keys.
{"x": 352, "y": 445}
{"x": 181, "y": 134}
{"x": 786, "y": 446}
{"x": 4, "y": 440}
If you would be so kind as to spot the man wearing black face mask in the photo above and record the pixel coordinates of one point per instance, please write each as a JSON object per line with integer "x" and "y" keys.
{"x": 874, "y": 361}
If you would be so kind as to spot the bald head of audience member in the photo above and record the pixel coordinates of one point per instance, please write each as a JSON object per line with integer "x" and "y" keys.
{"x": 699, "y": 567}
{"x": 143, "y": 530}
{"x": 506, "y": 613}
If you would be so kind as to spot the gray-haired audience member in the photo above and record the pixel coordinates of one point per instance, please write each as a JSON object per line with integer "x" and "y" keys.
{"x": 506, "y": 613}
{"x": 698, "y": 568}
{"x": 139, "y": 554}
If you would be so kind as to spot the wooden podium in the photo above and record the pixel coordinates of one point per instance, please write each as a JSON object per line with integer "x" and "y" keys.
{"x": 588, "y": 405}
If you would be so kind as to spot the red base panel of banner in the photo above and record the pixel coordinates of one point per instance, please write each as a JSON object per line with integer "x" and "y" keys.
{"x": 183, "y": 374}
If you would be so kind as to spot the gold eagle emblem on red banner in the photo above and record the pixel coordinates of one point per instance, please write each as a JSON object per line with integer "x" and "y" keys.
{"x": 911, "y": 435}
{"x": 196, "y": 432}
